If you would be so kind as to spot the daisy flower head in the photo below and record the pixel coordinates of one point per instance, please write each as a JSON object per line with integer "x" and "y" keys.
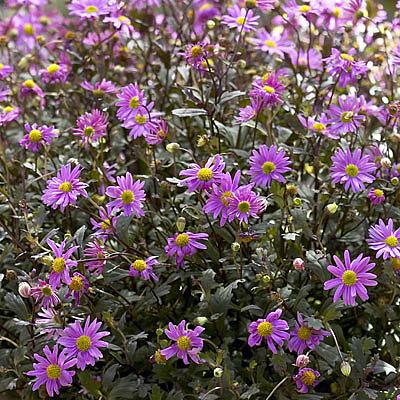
{"x": 240, "y": 19}
{"x": 99, "y": 89}
{"x": 48, "y": 321}
{"x": 267, "y": 164}
{"x": 65, "y": 188}
{"x": 306, "y": 378}
{"x": 273, "y": 43}
{"x": 305, "y": 337}
{"x": 264, "y": 5}
{"x": 187, "y": 344}
{"x": 144, "y": 269}
{"x": 5, "y": 70}
{"x": 270, "y": 329}
{"x": 130, "y": 100}
{"x": 202, "y": 178}
{"x": 8, "y": 114}
{"x": 37, "y": 136}
{"x": 95, "y": 256}
{"x": 377, "y": 196}
{"x": 251, "y": 111}
{"x": 91, "y": 126}
{"x": 84, "y": 343}
{"x": 142, "y": 123}
{"x": 45, "y": 294}
{"x": 129, "y": 196}
{"x": 318, "y": 125}
{"x": 104, "y": 227}
{"x": 184, "y": 244}
{"x": 269, "y": 89}
{"x": 78, "y": 286}
{"x": 384, "y": 239}
{"x": 52, "y": 370}
{"x": 30, "y": 88}
{"x": 89, "y": 9}
{"x": 54, "y": 73}
{"x": 157, "y": 133}
{"x": 351, "y": 278}
{"x": 61, "y": 264}
{"x": 352, "y": 169}
{"x": 195, "y": 54}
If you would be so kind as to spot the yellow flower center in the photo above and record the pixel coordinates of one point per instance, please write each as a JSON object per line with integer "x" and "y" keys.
{"x": 105, "y": 225}
{"x": 351, "y": 170}
{"x": 270, "y": 43}
{"x": 347, "y": 116}
{"x": 349, "y": 278}
{"x": 225, "y": 198}
{"x": 268, "y": 89}
{"x": 139, "y": 265}
{"x": 8, "y": 109}
{"x": 53, "y": 371}
{"x": 35, "y": 135}
{"x": 304, "y": 333}
{"x": 140, "y": 119}
{"x": 159, "y": 358}
{"x": 347, "y": 57}
{"x": 58, "y": 265}
{"x": 244, "y": 206}
{"x": 53, "y": 68}
{"x": 161, "y": 134}
{"x": 83, "y": 343}
{"x": 134, "y": 102}
{"x": 124, "y": 19}
{"x": 183, "y": 343}
{"x": 265, "y": 329}
{"x": 308, "y": 378}
{"x": 395, "y": 262}
{"x": 65, "y": 187}
{"x": 29, "y": 83}
{"x": 98, "y": 92}
{"x": 318, "y": 126}
{"x": 127, "y": 196}
{"x": 28, "y": 29}
{"x": 240, "y": 20}
{"x": 196, "y": 51}
{"x": 1, "y": 66}
{"x": 378, "y": 192}
{"x": 76, "y": 283}
{"x": 47, "y": 291}
{"x": 182, "y": 239}
{"x": 88, "y": 131}
{"x": 392, "y": 241}
{"x": 205, "y": 174}
{"x": 337, "y": 12}
{"x": 205, "y": 7}
{"x": 304, "y": 8}
{"x": 268, "y": 167}
{"x": 91, "y": 9}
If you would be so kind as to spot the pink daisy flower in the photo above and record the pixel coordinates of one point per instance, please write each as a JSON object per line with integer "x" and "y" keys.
{"x": 96, "y": 257}
{"x": 384, "y": 239}
{"x": 144, "y": 269}
{"x": 78, "y": 286}
{"x": 89, "y": 9}
{"x": 305, "y": 378}
{"x": 37, "y": 136}
{"x": 91, "y": 126}
{"x": 45, "y": 294}
{"x": 240, "y": 19}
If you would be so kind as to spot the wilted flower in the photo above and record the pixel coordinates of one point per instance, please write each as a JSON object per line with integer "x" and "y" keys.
{"x": 305, "y": 378}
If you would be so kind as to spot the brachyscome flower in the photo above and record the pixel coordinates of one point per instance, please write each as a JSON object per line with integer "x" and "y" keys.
{"x": 90, "y": 9}
{"x": 45, "y": 294}
{"x": 384, "y": 239}
{"x": 78, "y": 286}
{"x": 91, "y": 126}
{"x": 144, "y": 269}
{"x": 37, "y": 136}
{"x": 377, "y": 196}
{"x": 240, "y": 19}
{"x": 306, "y": 378}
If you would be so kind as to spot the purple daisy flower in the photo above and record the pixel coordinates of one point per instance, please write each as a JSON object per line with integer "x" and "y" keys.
{"x": 49, "y": 322}
{"x": 377, "y": 196}
{"x": 240, "y": 19}
{"x": 267, "y": 164}
{"x": 99, "y": 89}
{"x": 317, "y": 125}
{"x": 244, "y": 204}
{"x": 251, "y": 111}
{"x": 345, "y": 117}
{"x": 37, "y": 136}
{"x": 61, "y": 264}
{"x": 384, "y": 239}
{"x": 129, "y": 195}
{"x": 142, "y": 123}
{"x": 195, "y": 54}
{"x": 352, "y": 169}
{"x": 54, "y": 73}
{"x": 89, "y": 9}
{"x": 157, "y": 133}
{"x": 84, "y": 343}
{"x": 269, "y": 88}
{"x": 305, "y": 378}
{"x": 91, "y": 126}
{"x": 30, "y": 88}
{"x": 95, "y": 258}
{"x": 52, "y": 370}
{"x": 184, "y": 244}
{"x": 104, "y": 226}
{"x": 65, "y": 188}
{"x": 144, "y": 269}
{"x": 344, "y": 67}
{"x": 303, "y": 336}
{"x": 264, "y": 5}
{"x": 5, "y": 70}
{"x": 351, "y": 278}
{"x": 306, "y": 58}
{"x": 220, "y": 196}
{"x": 202, "y": 178}
{"x": 8, "y": 114}
{"x": 273, "y": 43}
{"x": 271, "y": 328}
{"x": 45, "y": 294}
{"x": 130, "y": 100}
{"x": 187, "y": 342}
{"x": 78, "y": 286}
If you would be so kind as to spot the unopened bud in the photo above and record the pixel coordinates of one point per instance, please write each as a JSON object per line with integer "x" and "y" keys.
{"x": 210, "y": 24}
{"x": 332, "y": 208}
{"x": 218, "y": 372}
{"x": 298, "y": 264}
{"x": 302, "y": 361}
{"x": 266, "y": 279}
{"x": 345, "y": 367}
{"x": 159, "y": 332}
{"x": 24, "y": 289}
{"x": 251, "y": 4}
{"x": 47, "y": 260}
{"x": 291, "y": 189}
{"x": 235, "y": 246}
{"x": 394, "y": 181}
{"x": 180, "y": 224}
{"x": 386, "y": 163}
{"x": 173, "y": 148}
{"x": 297, "y": 201}
{"x": 200, "y": 321}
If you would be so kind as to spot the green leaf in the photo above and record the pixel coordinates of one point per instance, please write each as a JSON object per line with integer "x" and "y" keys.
{"x": 91, "y": 385}
{"x": 188, "y": 112}
{"x": 16, "y": 305}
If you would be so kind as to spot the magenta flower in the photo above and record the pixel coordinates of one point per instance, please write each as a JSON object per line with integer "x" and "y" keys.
{"x": 130, "y": 100}
{"x": 267, "y": 164}
{"x": 184, "y": 244}
{"x": 65, "y": 188}
{"x": 61, "y": 264}
{"x": 45, "y": 294}
{"x": 345, "y": 117}
{"x": 244, "y": 204}
{"x": 187, "y": 342}
{"x": 99, "y": 89}
{"x": 54, "y": 73}
{"x": 37, "y": 136}
{"x": 265, "y": 5}
{"x": 384, "y": 239}
{"x": 218, "y": 200}
{"x": 352, "y": 169}
{"x": 157, "y": 133}
{"x": 8, "y": 114}
{"x": 344, "y": 67}
{"x": 377, "y": 196}
{"x": 251, "y": 111}
{"x": 305, "y": 378}
{"x": 202, "y": 178}
{"x": 95, "y": 257}
{"x": 144, "y": 269}
{"x": 5, "y": 70}
{"x": 271, "y": 329}
{"x": 84, "y": 343}
{"x": 304, "y": 58}
{"x": 273, "y": 43}
{"x": 351, "y": 278}
{"x": 104, "y": 226}
{"x": 78, "y": 286}
{"x": 317, "y": 125}
{"x": 89, "y": 9}
{"x": 129, "y": 195}
{"x": 142, "y": 123}
{"x": 52, "y": 370}
{"x": 195, "y": 54}
{"x": 269, "y": 89}
{"x": 240, "y": 19}
{"x": 30, "y": 88}
{"x": 91, "y": 126}
{"x": 304, "y": 337}
{"x": 49, "y": 322}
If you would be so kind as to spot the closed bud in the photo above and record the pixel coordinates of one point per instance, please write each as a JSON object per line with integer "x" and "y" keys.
{"x": 47, "y": 260}
{"x": 235, "y": 246}
{"x": 159, "y": 332}
{"x": 98, "y": 199}
{"x": 164, "y": 343}
{"x": 394, "y": 181}
{"x": 218, "y": 372}
{"x": 386, "y": 163}
{"x": 200, "y": 320}
{"x": 297, "y": 201}
{"x": 345, "y": 367}
{"x": 332, "y": 208}
{"x": 241, "y": 64}
{"x": 302, "y": 361}
{"x": 180, "y": 224}
{"x": 253, "y": 364}
{"x": 266, "y": 279}
{"x": 24, "y": 289}
{"x": 173, "y": 148}
{"x": 211, "y": 24}
{"x": 291, "y": 189}
{"x": 251, "y": 4}
{"x": 298, "y": 264}
{"x": 11, "y": 275}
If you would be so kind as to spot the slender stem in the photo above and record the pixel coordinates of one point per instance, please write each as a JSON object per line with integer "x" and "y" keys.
{"x": 277, "y": 387}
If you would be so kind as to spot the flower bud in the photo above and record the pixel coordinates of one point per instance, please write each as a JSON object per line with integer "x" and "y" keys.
{"x": 11, "y": 275}
{"x": 386, "y": 163}
{"x": 98, "y": 199}
{"x": 159, "y": 332}
{"x": 251, "y": 4}
{"x": 297, "y": 201}
{"x": 24, "y": 289}
{"x": 266, "y": 279}
{"x": 332, "y": 208}
{"x": 210, "y": 24}
{"x": 201, "y": 320}
{"x": 235, "y": 246}
{"x": 164, "y": 343}
{"x": 180, "y": 224}
{"x": 47, "y": 260}
{"x": 302, "y": 361}
{"x": 291, "y": 189}
{"x": 173, "y": 148}
{"x": 218, "y": 372}
{"x": 345, "y": 367}
{"x": 159, "y": 358}
{"x": 394, "y": 181}
{"x": 298, "y": 264}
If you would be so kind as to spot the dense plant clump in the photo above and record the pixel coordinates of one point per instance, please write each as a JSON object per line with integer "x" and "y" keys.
{"x": 199, "y": 199}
